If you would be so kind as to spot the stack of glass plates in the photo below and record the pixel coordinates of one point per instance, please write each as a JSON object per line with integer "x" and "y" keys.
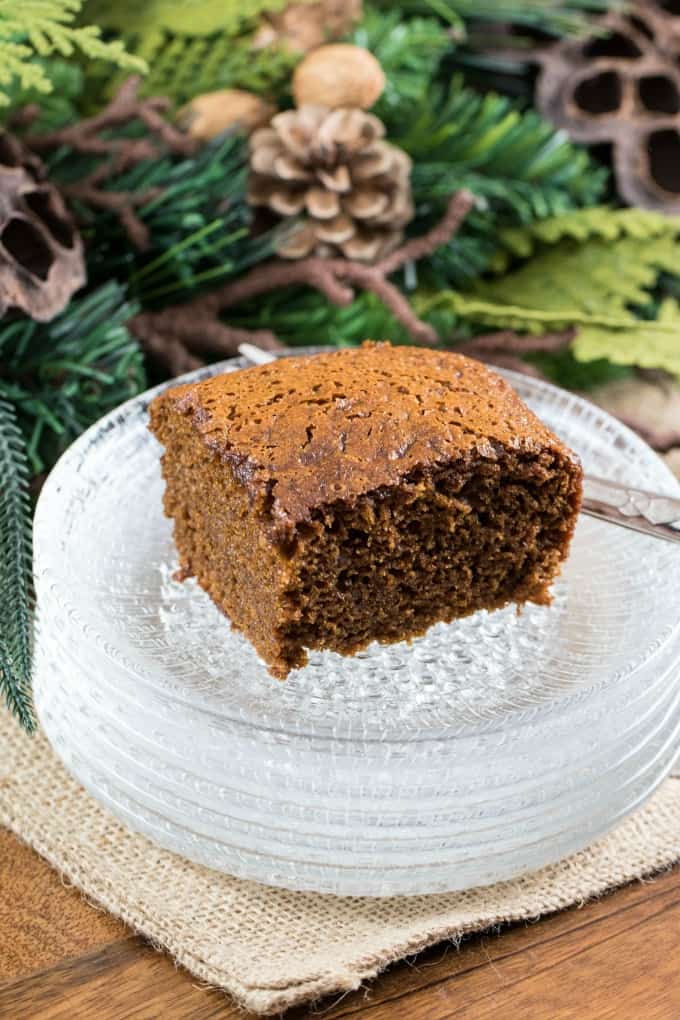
{"x": 488, "y": 747}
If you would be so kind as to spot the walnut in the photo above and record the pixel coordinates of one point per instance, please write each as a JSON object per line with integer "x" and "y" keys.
{"x": 338, "y": 75}
{"x": 214, "y": 112}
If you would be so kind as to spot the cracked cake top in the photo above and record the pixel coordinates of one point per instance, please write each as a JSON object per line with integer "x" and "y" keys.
{"x": 311, "y": 430}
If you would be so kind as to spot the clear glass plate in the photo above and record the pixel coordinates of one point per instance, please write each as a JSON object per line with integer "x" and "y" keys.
{"x": 490, "y": 745}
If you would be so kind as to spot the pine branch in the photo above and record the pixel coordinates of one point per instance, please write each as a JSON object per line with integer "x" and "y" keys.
{"x": 62, "y": 375}
{"x": 409, "y": 51}
{"x": 334, "y": 278}
{"x": 91, "y": 136}
{"x": 516, "y": 163}
{"x": 556, "y": 17}
{"x": 188, "y": 202}
{"x": 15, "y": 569}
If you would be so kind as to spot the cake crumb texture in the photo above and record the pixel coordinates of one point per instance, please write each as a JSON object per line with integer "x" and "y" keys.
{"x": 331, "y": 500}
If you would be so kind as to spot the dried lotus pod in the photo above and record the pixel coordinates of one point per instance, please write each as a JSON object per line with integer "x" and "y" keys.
{"x": 623, "y": 87}
{"x": 331, "y": 169}
{"x": 41, "y": 252}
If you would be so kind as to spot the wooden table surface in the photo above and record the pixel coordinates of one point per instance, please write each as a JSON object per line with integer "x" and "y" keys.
{"x": 617, "y": 958}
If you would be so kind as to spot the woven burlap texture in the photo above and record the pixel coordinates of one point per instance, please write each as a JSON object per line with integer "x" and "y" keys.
{"x": 270, "y": 948}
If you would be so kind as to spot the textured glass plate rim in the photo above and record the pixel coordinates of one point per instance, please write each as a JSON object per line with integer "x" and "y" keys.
{"x": 570, "y": 776}
{"x": 181, "y": 738}
{"x": 653, "y": 677}
{"x": 256, "y": 865}
{"x": 53, "y": 492}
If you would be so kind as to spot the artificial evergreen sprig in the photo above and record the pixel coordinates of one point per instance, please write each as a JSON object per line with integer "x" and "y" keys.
{"x": 513, "y": 160}
{"x": 15, "y": 568}
{"x": 114, "y": 154}
{"x": 131, "y": 175}
{"x": 556, "y": 17}
{"x": 63, "y": 375}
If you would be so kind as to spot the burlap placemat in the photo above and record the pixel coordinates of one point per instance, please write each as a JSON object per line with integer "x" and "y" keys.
{"x": 267, "y": 947}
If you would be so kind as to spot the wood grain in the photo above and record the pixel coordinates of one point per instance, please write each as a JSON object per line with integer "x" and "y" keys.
{"x": 618, "y": 957}
{"x": 41, "y": 919}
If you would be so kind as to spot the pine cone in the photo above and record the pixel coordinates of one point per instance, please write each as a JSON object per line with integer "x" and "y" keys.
{"x": 333, "y": 169}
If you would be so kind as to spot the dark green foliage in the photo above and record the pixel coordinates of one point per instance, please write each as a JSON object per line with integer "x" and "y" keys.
{"x": 63, "y": 375}
{"x": 186, "y": 67}
{"x": 303, "y": 318}
{"x": 515, "y": 162}
{"x": 552, "y": 16}
{"x": 198, "y": 224}
{"x": 15, "y": 569}
{"x": 409, "y": 51}
{"x": 565, "y": 370}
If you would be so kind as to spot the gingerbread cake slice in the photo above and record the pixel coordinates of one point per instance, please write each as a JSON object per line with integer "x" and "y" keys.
{"x": 328, "y": 501}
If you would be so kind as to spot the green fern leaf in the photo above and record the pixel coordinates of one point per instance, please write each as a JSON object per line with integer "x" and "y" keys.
{"x": 15, "y": 569}
{"x": 596, "y": 277}
{"x": 195, "y": 47}
{"x": 598, "y": 222}
{"x": 645, "y": 345}
{"x": 588, "y": 270}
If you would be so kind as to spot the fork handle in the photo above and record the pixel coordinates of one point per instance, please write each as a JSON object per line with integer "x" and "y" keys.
{"x": 648, "y": 512}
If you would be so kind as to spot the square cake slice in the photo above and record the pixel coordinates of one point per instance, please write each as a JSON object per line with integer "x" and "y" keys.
{"x": 328, "y": 501}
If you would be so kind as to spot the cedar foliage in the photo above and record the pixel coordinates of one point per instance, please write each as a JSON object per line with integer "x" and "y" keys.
{"x": 30, "y": 28}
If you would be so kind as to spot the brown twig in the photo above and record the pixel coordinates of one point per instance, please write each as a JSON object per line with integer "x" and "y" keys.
{"x": 117, "y": 154}
{"x": 197, "y": 326}
{"x": 177, "y": 343}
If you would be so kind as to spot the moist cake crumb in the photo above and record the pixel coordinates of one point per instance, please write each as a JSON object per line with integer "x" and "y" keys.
{"x": 332, "y": 500}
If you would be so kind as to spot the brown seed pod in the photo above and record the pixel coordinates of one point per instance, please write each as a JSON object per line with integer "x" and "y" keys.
{"x": 623, "y": 87}
{"x": 41, "y": 252}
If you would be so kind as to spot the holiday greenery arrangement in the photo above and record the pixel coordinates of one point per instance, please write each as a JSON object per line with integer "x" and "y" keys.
{"x": 319, "y": 172}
